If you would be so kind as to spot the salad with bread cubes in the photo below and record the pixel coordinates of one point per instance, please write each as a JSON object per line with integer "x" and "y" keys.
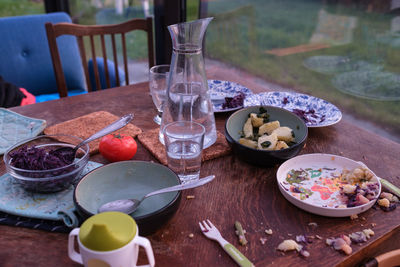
{"x": 261, "y": 133}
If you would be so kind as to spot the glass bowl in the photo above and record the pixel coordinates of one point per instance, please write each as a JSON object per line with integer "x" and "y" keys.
{"x": 51, "y": 180}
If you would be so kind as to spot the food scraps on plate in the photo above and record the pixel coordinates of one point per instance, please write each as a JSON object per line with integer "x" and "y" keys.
{"x": 328, "y": 188}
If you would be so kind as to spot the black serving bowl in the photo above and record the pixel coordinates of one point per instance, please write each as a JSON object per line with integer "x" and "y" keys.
{"x": 265, "y": 158}
{"x": 130, "y": 179}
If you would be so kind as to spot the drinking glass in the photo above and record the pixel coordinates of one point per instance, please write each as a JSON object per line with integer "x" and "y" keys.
{"x": 184, "y": 144}
{"x": 158, "y": 80}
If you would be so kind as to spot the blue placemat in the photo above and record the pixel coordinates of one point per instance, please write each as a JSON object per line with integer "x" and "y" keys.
{"x": 52, "y": 212}
{"x": 15, "y": 127}
{"x": 46, "y": 225}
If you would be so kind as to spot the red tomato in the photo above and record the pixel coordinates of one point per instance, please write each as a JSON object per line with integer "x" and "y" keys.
{"x": 117, "y": 147}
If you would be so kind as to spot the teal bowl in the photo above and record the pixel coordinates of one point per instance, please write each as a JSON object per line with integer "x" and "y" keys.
{"x": 265, "y": 158}
{"x": 130, "y": 179}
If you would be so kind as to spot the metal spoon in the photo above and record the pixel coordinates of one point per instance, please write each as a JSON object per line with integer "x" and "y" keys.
{"x": 130, "y": 205}
{"x": 68, "y": 153}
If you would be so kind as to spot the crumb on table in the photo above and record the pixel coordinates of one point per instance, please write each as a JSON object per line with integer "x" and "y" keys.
{"x": 268, "y": 231}
{"x": 354, "y": 216}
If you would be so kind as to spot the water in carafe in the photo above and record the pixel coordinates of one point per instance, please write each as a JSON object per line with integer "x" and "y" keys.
{"x": 188, "y": 97}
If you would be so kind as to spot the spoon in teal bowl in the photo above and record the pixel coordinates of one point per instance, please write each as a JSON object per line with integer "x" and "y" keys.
{"x": 129, "y": 206}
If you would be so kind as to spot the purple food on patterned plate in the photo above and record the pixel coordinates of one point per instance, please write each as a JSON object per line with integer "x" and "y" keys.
{"x": 314, "y": 111}
{"x": 233, "y": 102}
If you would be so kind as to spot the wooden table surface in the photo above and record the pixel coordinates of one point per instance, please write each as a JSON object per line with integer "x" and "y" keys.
{"x": 240, "y": 192}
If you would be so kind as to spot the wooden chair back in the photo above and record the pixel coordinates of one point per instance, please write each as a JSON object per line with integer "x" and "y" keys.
{"x": 80, "y": 31}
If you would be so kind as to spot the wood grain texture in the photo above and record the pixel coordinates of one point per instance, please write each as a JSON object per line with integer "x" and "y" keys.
{"x": 240, "y": 192}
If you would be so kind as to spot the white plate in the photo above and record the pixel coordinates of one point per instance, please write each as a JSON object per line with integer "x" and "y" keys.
{"x": 325, "y": 113}
{"x": 221, "y": 89}
{"x": 322, "y": 187}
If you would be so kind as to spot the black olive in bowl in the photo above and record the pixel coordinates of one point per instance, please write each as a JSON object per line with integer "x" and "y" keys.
{"x": 258, "y": 156}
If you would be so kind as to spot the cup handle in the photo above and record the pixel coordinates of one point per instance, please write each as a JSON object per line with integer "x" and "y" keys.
{"x": 72, "y": 253}
{"x": 145, "y": 243}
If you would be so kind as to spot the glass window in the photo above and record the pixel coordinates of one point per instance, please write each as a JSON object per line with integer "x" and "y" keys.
{"x": 100, "y": 12}
{"x": 10, "y": 8}
{"x": 346, "y": 52}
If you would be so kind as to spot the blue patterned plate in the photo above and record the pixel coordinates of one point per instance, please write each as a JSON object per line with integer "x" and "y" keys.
{"x": 319, "y": 113}
{"x": 221, "y": 89}
{"x": 16, "y": 127}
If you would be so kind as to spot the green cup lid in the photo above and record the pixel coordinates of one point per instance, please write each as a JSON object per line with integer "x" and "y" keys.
{"x": 107, "y": 231}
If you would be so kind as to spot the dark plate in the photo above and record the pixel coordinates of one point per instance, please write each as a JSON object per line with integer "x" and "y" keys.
{"x": 130, "y": 179}
{"x": 234, "y": 126}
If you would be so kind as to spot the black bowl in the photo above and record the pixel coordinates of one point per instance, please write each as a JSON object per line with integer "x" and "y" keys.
{"x": 130, "y": 179}
{"x": 265, "y": 158}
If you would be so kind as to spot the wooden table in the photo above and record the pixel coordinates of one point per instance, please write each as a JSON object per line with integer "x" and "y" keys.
{"x": 240, "y": 192}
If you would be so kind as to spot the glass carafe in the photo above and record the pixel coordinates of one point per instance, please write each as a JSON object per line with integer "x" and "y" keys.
{"x": 188, "y": 97}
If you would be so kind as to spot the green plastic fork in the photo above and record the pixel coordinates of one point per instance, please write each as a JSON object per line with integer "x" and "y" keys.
{"x": 211, "y": 232}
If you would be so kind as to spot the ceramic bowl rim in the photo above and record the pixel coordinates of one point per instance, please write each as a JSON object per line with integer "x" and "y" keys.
{"x": 146, "y": 216}
{"x": 236, "y": 142}
{"x": 317, "y": 209}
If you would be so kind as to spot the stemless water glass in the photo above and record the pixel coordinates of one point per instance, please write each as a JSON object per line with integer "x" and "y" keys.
{"x": 184, "y": 144}
{"x": 158, "y": 80}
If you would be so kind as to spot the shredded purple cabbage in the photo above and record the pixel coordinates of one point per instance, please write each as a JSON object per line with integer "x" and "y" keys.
{"x": 44, "y": 161}
{"x": 309, "y": 116}
{"x": 233, "y": 102}
{"x": 36, "y": 159}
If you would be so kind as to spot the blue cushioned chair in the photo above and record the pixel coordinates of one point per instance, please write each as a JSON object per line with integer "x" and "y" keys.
{"x": 103, "y": 82}
{"x": 25, "y": 56}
